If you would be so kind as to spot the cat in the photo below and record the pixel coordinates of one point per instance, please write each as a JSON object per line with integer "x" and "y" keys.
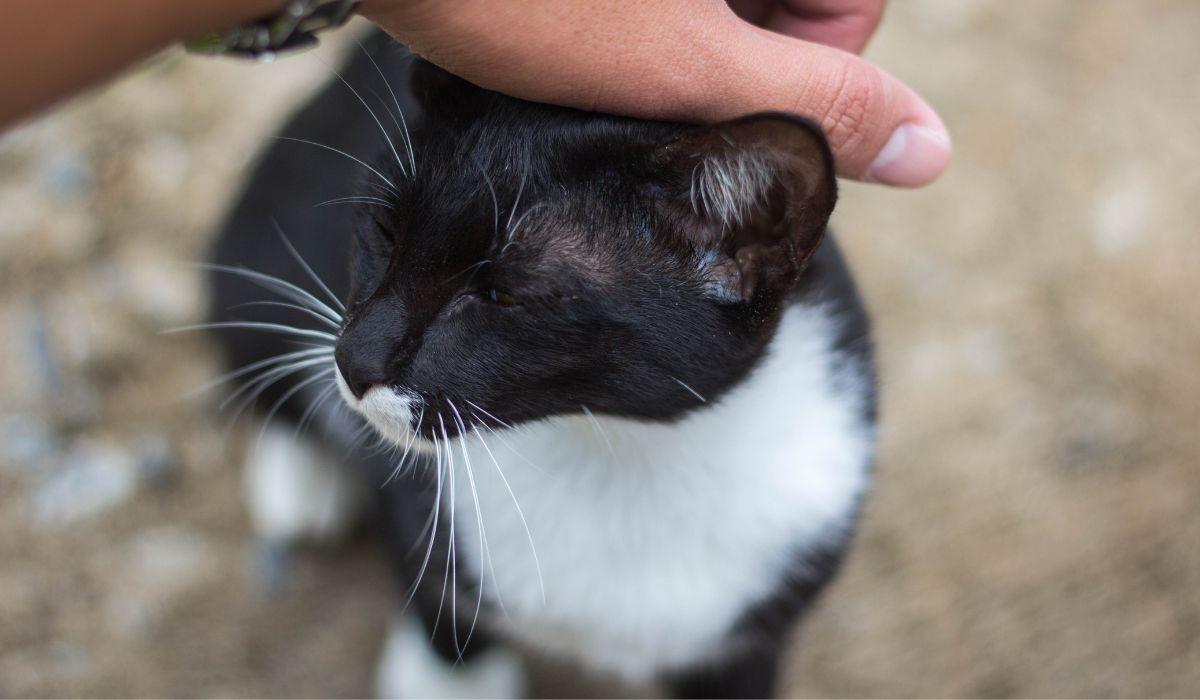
{"x": 628, "y": 370}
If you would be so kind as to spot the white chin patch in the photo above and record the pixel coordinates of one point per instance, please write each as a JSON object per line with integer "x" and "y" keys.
{"x": 389, "y": 411}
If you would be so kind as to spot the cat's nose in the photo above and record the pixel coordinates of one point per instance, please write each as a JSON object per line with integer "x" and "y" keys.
{"x": 365, "y": 352}
{"x": 360, "y": 370}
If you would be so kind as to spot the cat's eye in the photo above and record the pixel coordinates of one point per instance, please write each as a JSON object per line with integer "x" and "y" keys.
{"x": 501, "y": 298}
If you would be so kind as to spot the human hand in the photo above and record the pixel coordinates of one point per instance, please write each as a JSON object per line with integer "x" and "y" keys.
{"x": 690, "y": 60}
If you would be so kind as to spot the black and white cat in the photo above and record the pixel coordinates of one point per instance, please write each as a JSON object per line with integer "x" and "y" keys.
{"x": 629, "y": 373}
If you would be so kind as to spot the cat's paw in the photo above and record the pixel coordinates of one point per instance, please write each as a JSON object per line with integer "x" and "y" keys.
{"x": 410, "y": 668}
{"x": 297, "y": 492}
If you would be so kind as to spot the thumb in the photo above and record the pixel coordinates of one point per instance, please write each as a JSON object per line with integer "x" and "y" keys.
{"x": 683, "y": 60}
{"x": 879, "y": 129}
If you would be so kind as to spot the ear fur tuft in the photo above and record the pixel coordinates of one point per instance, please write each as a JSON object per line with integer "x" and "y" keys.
{"x": 759, "y": 190}
{"x": 727, "y": 187}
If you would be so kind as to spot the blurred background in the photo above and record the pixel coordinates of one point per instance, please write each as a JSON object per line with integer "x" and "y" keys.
{"x": 1034, "y": 528}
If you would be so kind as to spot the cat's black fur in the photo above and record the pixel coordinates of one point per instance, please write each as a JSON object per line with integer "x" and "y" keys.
{"x": 626, "y": 297}
{"x": 596, "y": 276}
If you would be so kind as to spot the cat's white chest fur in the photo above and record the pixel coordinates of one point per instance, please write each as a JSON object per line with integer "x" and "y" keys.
{"x": 652, "y": 539}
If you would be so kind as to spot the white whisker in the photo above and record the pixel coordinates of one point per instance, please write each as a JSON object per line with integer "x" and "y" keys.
{"x": 412, "y": 438}
{"x": 451, "y": 571}
{"x": 599, "y": 431}
{"x": 508, "y": 445}
{"x": 479, "y": 408}
{"x": 242, "y": 371}
{"x": 378, "y": 123}
{"x": 437, "y": 510}
{"x": 412, "y": 161}
{"x": 489, "y": 561}
{"x": 495, "y": 201}
{"x": 516, "y": 201}
{"x": 357, "y": 199}
{"x": 295, "y": 307}
{"x": 360, "y": 436}
{"x": 520, "y": 513}
{"x": 690, "y": 389}
{"x": 266, "y": 379}
{"x": 484, "y": 548}
{"x": 311, "y": 412}
{"x": 280, "y": 286}
{"x": 472, "y": 268}
{"x": 307, "y": 269}
{"x": 378, "y": 174}
{"x": 512, "y": 235}
{"x": 256, "y": 326}
{"x": 283, "y": 399}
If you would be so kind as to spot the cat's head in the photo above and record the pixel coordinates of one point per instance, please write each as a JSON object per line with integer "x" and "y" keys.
{"x": 545, "y": 261}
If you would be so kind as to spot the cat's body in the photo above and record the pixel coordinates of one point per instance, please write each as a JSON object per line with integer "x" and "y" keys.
{"x": 665, "y": 437}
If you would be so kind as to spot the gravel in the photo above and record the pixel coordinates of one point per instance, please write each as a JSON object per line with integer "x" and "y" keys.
{"x": 1033, "y": 530}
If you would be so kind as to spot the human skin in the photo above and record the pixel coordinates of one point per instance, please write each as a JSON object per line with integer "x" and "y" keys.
{"x": 50, "y": 49}
{"x": 686, "y": 60}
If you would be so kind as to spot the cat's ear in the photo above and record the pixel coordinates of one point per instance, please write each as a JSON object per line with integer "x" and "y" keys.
{"x": 445, "y": 97}
{"x": 752, "y": 199}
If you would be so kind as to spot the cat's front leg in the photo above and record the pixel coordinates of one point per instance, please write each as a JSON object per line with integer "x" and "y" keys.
{"x": 297, "y": 491}
{"x": 414, "y": 665}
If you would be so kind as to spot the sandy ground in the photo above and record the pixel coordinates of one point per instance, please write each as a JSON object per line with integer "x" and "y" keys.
{"x": 1034, "y": 527}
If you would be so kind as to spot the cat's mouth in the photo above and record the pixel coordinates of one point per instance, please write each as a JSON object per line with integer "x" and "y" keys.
{"x": 405, "y": 419}
{"x": 391, "y": 413}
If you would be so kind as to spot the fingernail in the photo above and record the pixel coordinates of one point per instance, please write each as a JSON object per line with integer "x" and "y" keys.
{"x": 914, "y": 155}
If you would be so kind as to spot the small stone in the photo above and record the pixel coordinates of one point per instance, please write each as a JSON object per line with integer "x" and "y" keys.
{"x": 68, "y": 177}
{"x": 91, "y": 478}
{"x": 26, "y": 442}
{"x": 156, "y": 460}
{"x": 273, "y": 564}
{"x": 42, "y": 361}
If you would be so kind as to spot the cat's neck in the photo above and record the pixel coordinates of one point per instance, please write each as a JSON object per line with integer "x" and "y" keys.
{"x": 802, "y": 401}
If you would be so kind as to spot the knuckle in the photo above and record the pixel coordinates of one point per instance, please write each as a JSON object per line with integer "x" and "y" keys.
{"x": 854, "y": 107}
